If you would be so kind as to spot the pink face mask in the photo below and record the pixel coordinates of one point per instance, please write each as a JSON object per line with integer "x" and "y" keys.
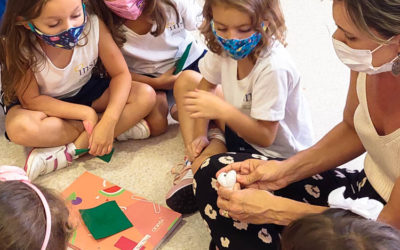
{"x": 128, "y": 9}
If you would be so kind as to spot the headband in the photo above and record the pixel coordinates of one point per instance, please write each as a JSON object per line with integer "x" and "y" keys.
{"x": 11, "y": 173}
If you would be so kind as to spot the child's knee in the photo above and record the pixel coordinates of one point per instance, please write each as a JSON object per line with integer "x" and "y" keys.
{"x": 143, "y": 94}
{"x": 21, "y": 129}
{"x": 157, "y": 119}
{"x": 186, "y": 81}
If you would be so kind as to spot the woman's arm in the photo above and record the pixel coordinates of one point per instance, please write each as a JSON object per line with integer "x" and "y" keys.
{"x": 391, "y": 212}
{"x": 262, "y": 207}
{"x": 339, "y": 146}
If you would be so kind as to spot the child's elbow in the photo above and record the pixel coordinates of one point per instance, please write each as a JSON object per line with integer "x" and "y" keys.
{"x": 266, "y": 143}
{"x": 28, "y": 103}
{"x": 267, "y": 140}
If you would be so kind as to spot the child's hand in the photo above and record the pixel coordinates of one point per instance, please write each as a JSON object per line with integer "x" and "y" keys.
{"x": 206, "y": 105}
{"x": 196, "y": 147}
{"x": 167, "y": 80}
{"x": 101, "y": 139}
{"x": 90, "y": 121}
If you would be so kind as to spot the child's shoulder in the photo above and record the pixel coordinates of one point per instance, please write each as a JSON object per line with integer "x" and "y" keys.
{"x": 276, "y": 58}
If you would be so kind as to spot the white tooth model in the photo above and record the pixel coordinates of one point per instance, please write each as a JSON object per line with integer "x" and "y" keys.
{"x": 227, "y": 180}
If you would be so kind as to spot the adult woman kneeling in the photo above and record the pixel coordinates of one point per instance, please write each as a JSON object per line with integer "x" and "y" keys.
{"x": 271, "y": 194}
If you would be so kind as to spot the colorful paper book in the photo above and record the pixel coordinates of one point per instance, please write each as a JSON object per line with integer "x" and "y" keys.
{"x": 152, "y": 223}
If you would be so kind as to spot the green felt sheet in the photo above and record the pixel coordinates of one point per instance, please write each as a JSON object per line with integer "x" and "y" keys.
{"x": 105, "y": 220}
{"x": 106, "y": 158}
{"x": 181, "y": 62}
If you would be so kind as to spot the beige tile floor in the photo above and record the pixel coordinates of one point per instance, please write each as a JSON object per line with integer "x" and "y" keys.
{"x": 144, "y": 166}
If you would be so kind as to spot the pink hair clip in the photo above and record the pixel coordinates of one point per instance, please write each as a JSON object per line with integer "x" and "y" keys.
{"x": 11, "y": 173}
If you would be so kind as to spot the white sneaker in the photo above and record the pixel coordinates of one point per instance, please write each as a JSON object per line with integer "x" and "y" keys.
{"x": 42, "y": 161}
{"x": 141, "y": 130}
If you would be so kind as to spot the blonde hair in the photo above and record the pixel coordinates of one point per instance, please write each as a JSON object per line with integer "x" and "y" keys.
{"x": 382, "y": 16}
{"x": 259, "y": 11}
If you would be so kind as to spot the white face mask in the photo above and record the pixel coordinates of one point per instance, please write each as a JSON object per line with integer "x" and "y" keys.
{"x": 360, "y": 60}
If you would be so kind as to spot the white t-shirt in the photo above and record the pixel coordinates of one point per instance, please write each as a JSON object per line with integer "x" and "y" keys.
{"x": 66, "y": 82}
{"x": 150, "y": 55}
{"x": 271, "y": 92}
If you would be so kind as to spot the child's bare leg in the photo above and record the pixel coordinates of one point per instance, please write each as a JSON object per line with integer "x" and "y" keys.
{"x": 157, "y": 119}
{"x": 36, "y": 129}
{"x": 141, "y": 101}
{"x": 187, "y": 81}
{"x": 215, "y": 147}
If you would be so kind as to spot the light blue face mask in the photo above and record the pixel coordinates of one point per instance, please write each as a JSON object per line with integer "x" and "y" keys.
{"x": 238, "y": 48}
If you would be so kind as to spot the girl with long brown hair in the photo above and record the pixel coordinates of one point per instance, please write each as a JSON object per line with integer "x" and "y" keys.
{"x": 48, "y": 50}
{"x": 153, "y": 35}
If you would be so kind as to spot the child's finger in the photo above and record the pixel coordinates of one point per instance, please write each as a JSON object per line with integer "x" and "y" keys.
{"x": 90, "y": 141}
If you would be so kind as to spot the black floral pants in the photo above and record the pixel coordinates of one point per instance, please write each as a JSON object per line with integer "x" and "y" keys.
{"x": 229, "y": 234}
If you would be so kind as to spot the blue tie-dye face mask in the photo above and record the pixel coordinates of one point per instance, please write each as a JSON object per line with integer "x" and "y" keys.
{"x": 66, "y": 39}
{"x": 238, "y": 48}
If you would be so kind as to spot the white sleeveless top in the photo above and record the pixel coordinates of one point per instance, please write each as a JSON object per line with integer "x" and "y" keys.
{"x": 66, "y": 82}
{"x": 382, "y": 164}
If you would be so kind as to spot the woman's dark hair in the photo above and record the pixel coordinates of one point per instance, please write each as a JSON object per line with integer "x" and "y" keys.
{"x": 337, "y": 229}
{"x": 23, "y": 220}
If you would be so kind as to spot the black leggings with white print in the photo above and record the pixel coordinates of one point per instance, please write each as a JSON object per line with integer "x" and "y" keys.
{"x": 229, "y": 234}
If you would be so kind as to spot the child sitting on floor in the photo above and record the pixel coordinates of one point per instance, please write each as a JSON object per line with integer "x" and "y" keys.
{"x": 31, "y": 217}
{"x": 339, "y": 229}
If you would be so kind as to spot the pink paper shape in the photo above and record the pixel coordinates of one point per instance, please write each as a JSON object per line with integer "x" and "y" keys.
{"x": 126, "y": 244}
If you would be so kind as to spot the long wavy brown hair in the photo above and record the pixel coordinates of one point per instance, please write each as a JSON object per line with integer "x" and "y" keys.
{"x": 156, "y": 9}
{"x": 17, "y": 47}
{"x": 267, "y": 11}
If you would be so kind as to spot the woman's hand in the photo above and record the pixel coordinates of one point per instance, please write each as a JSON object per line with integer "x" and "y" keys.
{"x": 261, "y": 207}
{"x": 204, "y": 104}
{"x": 250, "y": 205}
{"x": 102, "y": 138}
{"x": 259, "y": 174}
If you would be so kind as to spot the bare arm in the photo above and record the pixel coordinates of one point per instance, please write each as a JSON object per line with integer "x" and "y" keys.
{"x": 339, "y": 146}
{"x": 164, "y": 81}
{"x": 116, "y": 67}
{"x": 32, "y": 99}
{"x": 262, "y": 133}
{"x": 201, "y": 125}
{"x": 391, "y": 212}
